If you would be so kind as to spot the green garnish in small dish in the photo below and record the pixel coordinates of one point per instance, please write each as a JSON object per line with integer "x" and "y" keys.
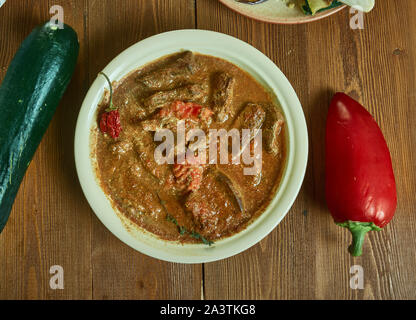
{"x": 311, "y": 7}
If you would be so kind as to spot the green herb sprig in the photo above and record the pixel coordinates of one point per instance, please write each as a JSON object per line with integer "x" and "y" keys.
{"x": 193, "y": 234}
{"x": 182, "y": 229}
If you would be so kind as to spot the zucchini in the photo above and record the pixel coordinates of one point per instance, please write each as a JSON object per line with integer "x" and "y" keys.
{"x": 31, "y": 90}
{"x": 311, "y": 7}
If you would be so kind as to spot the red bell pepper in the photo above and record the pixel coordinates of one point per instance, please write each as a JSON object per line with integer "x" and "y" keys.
{"x": 360, "y": 185}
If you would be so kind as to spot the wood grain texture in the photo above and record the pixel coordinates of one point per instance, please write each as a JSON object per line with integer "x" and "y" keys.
{"x": 51, "y": 222}
{"x": 306, "y": 256}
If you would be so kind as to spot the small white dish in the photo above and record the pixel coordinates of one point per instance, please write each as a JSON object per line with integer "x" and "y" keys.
{"x": 250, "y": 60}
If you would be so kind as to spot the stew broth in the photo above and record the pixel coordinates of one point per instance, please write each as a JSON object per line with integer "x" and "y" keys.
{"x": 189, "y": 202}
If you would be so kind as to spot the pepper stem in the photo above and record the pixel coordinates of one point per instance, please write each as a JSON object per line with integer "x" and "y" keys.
{"x": 358, "y": 231}
{"x": 111, "y": 107}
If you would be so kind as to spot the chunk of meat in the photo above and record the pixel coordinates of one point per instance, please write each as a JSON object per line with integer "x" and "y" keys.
{"x": 145, "y": 148}
{"x": 213, "y": 208}
{"x": 133, "y": 110}
{"x": 233, "y": 188}
{"x": 251, "y": 117}
{"x": 222, "y": 97}
{"x": 178, "y": 71}
{"x": 191, "y": 92}
{"x": 272, "y": 128}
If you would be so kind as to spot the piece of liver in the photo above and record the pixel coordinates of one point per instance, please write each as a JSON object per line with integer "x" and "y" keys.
{"x": 272, "y": 129}
{"x": 214, "y": 210}
{"x": 222, "y": 98}
{"x": 179, "y": 70}
{"x": 191, "y": 92}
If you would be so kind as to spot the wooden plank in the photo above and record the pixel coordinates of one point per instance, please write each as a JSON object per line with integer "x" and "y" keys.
{"x": 51, "y": 221}
{"x": 306, "y": 257}
{"x": 118, "y": 271}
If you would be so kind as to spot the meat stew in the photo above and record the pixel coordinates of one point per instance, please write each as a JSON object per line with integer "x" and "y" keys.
{"x": 189, "y": 201}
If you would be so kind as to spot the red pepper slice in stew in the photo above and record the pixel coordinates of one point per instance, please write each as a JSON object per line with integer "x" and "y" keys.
{"x": 110, "y": 119}
{"x": 188, "y": 176}
{"x": 110, "y": 123}
{"x": 186, "y": 110}
{"x": 360, "y": 185}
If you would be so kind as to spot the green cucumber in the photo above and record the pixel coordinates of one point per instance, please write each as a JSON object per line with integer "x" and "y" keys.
{"x": 29, "y": 94}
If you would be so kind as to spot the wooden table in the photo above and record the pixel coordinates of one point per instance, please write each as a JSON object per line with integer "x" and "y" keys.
{"x": 306, "y": 256}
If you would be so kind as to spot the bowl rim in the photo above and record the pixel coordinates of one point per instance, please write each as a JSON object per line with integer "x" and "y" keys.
{"x": 284, "y": 21}
{"x": 249, "y": 59}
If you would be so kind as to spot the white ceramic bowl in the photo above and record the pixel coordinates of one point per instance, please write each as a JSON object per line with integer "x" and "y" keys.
{"x": 249, "y": 59}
